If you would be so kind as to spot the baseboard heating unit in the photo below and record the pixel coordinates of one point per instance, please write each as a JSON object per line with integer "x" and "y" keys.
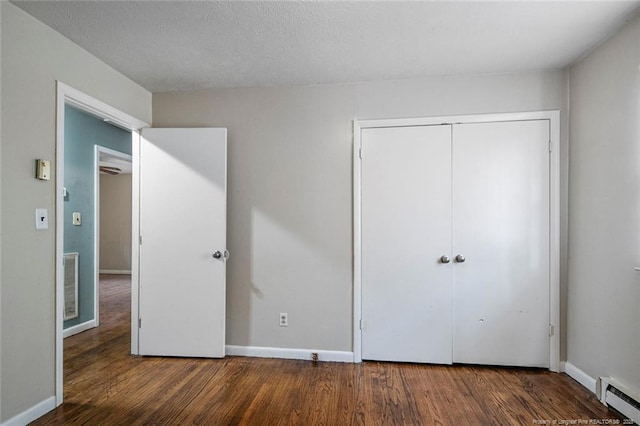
{"x": 619, "y": 397}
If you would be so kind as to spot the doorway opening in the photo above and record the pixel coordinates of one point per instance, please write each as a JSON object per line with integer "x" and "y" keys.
{"x": 113, "y": 201}
{"x": 93, "y": 148}
{"x": 70, "y": 215}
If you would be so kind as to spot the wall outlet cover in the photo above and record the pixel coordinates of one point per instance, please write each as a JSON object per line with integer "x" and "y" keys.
{"x": 284, "y": 319}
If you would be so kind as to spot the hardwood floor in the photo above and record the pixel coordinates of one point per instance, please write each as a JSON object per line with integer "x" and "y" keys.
{"x": 105, "y": 385}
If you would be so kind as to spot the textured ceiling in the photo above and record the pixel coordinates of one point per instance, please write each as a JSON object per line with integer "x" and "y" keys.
{"x": 186, "y": 45}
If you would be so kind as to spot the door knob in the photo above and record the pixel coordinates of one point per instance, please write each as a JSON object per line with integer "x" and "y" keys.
{"x": 445, "y": 259}
{"x": 460, "y": 258}
{"x": 224, "y": 255}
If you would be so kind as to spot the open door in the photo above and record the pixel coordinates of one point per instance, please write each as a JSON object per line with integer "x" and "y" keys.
{"x": 183, "y": 205}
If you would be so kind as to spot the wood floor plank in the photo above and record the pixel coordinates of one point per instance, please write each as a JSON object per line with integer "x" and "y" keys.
{"x": 104, "y": 385}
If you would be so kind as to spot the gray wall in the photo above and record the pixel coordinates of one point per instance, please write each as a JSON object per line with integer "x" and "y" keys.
{"x": 82, "y": 132}
{"x": 115, "y": 222}
{"x": 33, "y": 58}
{"x": 604, "y": 189}
{"x": 290, "y": 187}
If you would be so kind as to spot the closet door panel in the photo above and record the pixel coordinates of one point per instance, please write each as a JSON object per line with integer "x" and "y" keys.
{"x": 501, "y": 228}
{"x": 406, "y": 228}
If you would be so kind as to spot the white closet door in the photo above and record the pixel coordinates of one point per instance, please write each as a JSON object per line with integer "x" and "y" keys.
{"x": 501, "y": 227}
{"x": 406, "y": 228}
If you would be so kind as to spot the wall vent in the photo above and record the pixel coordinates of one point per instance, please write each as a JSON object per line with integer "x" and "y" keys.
{"x": 621, "y": 398}
{"x": 70, "y": 285}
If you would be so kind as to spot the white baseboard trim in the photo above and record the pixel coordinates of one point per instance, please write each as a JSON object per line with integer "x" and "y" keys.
{"x": 32, "y": 413}
{"x": 580, "y": 376}
{"x": 286, "y": 353}
{"x": 114, "y": 272}
{"x": 78, "y": 328}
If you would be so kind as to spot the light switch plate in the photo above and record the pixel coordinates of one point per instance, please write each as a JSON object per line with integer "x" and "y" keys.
{"x": 42, "y": 219}
{"x": 77, "y": 218}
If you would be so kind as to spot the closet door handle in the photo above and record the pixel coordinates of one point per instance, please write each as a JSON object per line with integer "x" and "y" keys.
{"x": 460, "y": 258}
{"x": 445, "y": 259}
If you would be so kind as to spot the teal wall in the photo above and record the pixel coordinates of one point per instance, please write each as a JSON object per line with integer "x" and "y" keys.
{"x": 82, "y": 133}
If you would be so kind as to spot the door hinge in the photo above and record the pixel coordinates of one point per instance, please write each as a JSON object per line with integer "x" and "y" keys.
{"x": 550, "y": 330}
{"x": 360, "y": 153}
{"x": 139, "y": 322}
{"x": 549, "y": 146}
{"x": 140, "y": 239}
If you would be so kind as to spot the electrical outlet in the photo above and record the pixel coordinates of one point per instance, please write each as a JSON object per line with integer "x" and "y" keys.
{"x": 284, "y": 319}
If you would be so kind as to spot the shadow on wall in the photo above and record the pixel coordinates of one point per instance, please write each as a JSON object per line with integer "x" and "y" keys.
{"x": 290, "y": 217}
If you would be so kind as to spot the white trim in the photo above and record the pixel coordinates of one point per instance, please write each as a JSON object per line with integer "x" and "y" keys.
{"x": 457, "y": 119}
{"x": 99, "y": 149}
{"x": 580, "y": 376}
{"x": 84, "y": 102}
{"x": 100, "y": 109}
{"x": 357, "y": 240}
{"x": 135, "y": 240}
{"x": 33, "y": 413}
{"x": 70, "y": 331}
{"x": 114, "y": 272}
{"x": 287, "y": 353}
{"x": 554, "y": 212}
{"x": 554, "y": 239}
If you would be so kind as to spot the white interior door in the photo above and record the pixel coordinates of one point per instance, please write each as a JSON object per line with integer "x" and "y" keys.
{"x": 183, "y": 206}
{"x": 501, "y": 227}
{"x": 406, "y": 228}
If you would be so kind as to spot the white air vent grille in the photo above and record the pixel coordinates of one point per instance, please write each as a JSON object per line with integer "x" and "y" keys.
{"x": 620, "y": 398}
{"x": 70, "y": 285}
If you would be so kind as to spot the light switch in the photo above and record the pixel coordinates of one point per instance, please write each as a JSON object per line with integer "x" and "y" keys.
{"x": 42, "y": 219}
{"x": 77, "y": 218}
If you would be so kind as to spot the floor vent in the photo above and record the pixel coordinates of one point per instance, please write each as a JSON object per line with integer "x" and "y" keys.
{"x": 619, "y": 397}
{"x": 70, "y": 285}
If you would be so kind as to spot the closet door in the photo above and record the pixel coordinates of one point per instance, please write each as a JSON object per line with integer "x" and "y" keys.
{"x": 501, "y": 228}
{"x": 406, "y": 229}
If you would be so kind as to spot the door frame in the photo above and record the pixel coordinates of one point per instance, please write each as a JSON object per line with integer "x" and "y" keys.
{"x": 66, "y": 95}
{"x": 554, "y": 212}
{"x": 99, "y": 149}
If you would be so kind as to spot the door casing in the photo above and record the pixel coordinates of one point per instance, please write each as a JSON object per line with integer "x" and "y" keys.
{"x": 554, "y": 212}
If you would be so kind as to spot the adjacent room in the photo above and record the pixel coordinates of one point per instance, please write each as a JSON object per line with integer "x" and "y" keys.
{"x": 320, "y": 212}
